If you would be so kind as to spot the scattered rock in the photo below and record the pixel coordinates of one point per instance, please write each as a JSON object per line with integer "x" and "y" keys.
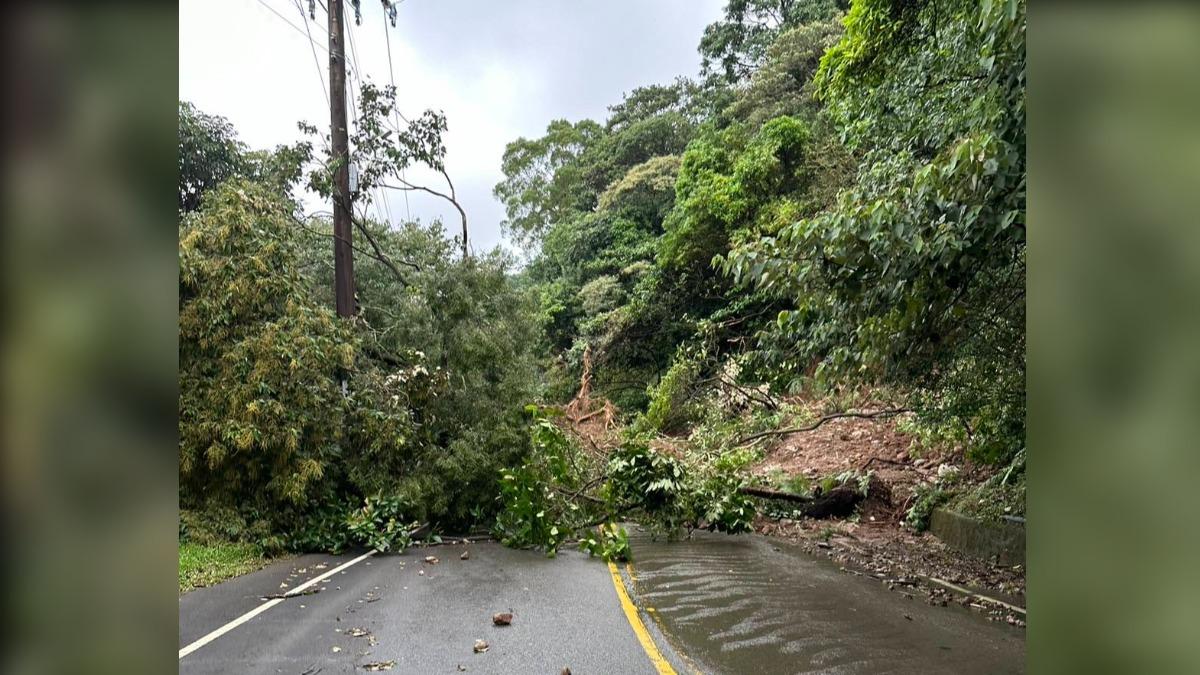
{"x": 466, "y": 555}
{"x": 502, "y": 618}
{"x": 378, "y": 666}
{"x": 481, "y": 646}
{"x": 462, "y": 668}
{"x": 421, "y": 572}
{"x": 432, "y": 559}
{"x": 565, "y": 671}
{"x": 358, "y": 632}
{"x": 336, "y": 649}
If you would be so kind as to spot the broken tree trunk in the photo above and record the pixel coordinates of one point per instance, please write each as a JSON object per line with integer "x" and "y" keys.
{"x": 837, "y": 503}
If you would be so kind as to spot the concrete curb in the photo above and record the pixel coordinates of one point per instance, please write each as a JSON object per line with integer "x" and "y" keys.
{"x": 1002, "y": 543}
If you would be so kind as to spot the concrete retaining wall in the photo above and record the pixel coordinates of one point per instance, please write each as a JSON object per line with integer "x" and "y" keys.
{"x": 1002, "y": 543}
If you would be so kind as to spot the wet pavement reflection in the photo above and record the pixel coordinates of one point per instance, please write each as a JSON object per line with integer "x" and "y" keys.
{"x": 750, "y": 604}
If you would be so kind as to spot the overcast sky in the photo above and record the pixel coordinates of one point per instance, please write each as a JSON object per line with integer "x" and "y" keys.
{"x": 498, "y": 68}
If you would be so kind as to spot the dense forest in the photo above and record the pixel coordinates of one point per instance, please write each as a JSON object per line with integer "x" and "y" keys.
{"x": 833, "y": 207}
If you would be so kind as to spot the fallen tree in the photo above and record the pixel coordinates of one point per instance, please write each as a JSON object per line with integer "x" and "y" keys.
{"x": 837, "y": 503}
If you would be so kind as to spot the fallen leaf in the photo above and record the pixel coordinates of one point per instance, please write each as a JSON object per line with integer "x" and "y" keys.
{"x": 358, "y": 632}
{"x": 462, "y": 668}
{"x": 378, "y": 666}
{"x": 466, "y": 555}
{"x": 481, "y": 646}
{"x": 565, "y": 671}
{"x": 502, "y": 618}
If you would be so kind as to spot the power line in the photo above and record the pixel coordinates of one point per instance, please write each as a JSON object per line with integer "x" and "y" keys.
{"x": 288, "y": 22}
{"x": 312, "y": 45}
{"x": 392, "y": 73}
{"x": 356, "y": 76}
{"x": 356, "y": 73}
{"x": 392, "y": 77}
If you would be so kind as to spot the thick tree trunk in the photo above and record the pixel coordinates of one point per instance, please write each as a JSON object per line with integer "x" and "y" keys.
{"x": 837, "y": 503}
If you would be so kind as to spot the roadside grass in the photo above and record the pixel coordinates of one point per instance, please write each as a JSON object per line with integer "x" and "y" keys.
{"x": 207, "y": 564}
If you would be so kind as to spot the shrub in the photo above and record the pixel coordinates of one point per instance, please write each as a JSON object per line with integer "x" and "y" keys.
{"x": 609, "y": 542}
{"x": 381, "y": 524}
{"x": 928, "y": 497}
{"x": 534, "y": 512}
{"x": 671, "y": 405}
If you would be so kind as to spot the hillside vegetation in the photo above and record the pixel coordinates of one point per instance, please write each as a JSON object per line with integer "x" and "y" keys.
{"x": 833, "y": 210}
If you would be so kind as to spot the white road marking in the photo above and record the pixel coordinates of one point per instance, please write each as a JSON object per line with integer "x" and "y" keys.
{"x": 323, "y": 577}
{"x": 267, "y": 605}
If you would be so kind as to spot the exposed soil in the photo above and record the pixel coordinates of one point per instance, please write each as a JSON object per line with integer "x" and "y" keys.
{"x": 875, "y": 542}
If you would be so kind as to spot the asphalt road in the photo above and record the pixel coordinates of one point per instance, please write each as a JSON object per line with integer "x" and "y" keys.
{"x": 751, "y": 604}
{"x": 716, "y": 604}
{"x": 425, "y": 618}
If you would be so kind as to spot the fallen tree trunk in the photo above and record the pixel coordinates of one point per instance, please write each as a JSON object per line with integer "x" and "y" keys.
{"x": 837, "y": 503}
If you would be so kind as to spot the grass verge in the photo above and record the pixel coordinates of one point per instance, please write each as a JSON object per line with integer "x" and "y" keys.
{"x": 207, "y": 564}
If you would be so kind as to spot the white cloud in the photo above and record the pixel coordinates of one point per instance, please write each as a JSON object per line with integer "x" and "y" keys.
{"x": 498, "y": 70}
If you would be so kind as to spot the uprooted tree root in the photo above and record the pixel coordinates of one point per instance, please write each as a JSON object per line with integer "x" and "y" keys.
{"x": 583, "y": 407}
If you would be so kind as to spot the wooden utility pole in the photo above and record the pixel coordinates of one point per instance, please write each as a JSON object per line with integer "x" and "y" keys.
{"x": 343, "y": 227}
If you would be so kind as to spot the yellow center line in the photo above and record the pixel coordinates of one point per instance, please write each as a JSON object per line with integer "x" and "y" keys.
{"x": 639, "y": 629}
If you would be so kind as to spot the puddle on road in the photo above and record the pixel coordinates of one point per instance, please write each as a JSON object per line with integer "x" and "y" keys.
{"x": 735, "y": 604}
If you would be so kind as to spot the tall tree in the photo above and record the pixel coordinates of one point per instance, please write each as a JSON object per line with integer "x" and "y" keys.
{"x": 541, "y": 178}
{"x": 735, "y": 46}
{"x": 209, "y": 153}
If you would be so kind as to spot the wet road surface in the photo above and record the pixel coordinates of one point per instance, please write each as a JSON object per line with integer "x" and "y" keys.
{"x": 422, "y": 618}
{"x": 714, "y": 604}
{"x": 749, "y": 604}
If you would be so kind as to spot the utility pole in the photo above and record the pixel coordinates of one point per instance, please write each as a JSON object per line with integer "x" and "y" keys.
{"x": 343, "y": 227}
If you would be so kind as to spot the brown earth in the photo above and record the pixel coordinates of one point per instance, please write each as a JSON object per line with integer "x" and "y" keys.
{"x": 875, "y": 542}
